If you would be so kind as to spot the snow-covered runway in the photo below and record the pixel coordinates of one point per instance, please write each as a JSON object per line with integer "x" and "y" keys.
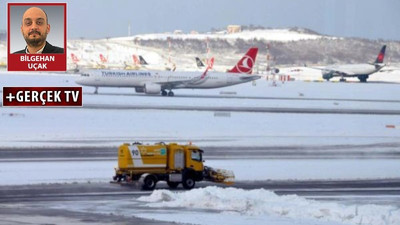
{"x": 258, "y": 146}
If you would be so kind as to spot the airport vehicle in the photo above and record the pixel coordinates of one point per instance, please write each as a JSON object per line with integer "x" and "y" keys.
{"x": 176, "y": 164}
{"x": 156, "y": 82}
{"x": 361, "y": 71}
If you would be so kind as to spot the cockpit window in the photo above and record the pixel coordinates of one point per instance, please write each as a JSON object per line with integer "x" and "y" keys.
{"x": 196, "y": 155}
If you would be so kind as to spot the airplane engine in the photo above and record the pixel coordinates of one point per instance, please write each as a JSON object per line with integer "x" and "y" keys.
{"x": 327, "y": 75}
{"x": 150, "y": 88}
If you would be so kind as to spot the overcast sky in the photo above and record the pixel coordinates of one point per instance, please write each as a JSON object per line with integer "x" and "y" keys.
{"x": 372, "y": 19}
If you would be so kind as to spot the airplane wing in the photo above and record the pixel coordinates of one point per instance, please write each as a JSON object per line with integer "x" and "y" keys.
{"x": 335, "y": 70}
{"x": 181, "y": 83}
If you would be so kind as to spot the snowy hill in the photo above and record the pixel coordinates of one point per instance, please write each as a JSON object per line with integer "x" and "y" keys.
{"x": 287, "y": 47}
{"x": 281, "y": 35}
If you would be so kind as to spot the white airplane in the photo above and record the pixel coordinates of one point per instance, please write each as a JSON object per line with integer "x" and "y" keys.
{"x": 361, "y": 71}
{"x": 156, "y": 82}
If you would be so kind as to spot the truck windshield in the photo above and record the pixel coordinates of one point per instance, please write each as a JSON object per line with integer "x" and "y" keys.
{"x": 196, "y": 155}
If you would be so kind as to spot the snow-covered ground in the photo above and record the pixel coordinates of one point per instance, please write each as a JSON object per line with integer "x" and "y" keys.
{"x": 22, "y": 172}
{"x": 215, "y": 205}
{"x": 237, "y": 206}
{"x": 36, "y": 126}
{"x": 47, "y": 127}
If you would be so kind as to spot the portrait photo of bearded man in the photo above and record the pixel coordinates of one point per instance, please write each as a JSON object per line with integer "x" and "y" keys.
{"x": 34, "y": 28}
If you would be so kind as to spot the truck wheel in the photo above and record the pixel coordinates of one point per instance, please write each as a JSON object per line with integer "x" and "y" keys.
{"x": 149, "y": 183}
{"x": 172, "y": 184}
{"x": 188, "y": 183}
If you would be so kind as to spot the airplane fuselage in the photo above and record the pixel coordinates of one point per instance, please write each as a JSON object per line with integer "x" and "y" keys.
{"x": 356, "y": 69}
{"x": 165, "y": 79}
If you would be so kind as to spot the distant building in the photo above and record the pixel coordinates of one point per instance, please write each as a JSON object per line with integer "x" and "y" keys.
{"x": 178, "y": 32}
{"x": 194, "y": 32}
{"x": 234, "y": 29}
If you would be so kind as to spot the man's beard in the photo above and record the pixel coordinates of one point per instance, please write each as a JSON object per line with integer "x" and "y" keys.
{"x": 37, "y": 41}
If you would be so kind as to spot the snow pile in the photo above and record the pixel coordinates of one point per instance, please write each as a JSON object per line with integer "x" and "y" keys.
{"x": 261, "y": 202}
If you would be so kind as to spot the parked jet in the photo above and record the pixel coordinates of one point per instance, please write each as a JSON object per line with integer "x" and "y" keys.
{"x": 361, "y": 71}
{"x": 74, "y": 63}
{"x": 156, "y": 82}
{"x": 134, "y": 65}
{"x": 106, "y": 64}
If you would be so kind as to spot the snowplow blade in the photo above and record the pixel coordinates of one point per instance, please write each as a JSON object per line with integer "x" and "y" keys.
{"x": 219, "y": 175}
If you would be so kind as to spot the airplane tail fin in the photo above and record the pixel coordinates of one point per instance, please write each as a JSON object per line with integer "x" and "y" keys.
{"x": 199, "y": 63}
{"x": 381, "y": 55}
{"x": 210, "y": 65}
{"x": 246, "y": 63}
{"x": 103, "y": 59}
{"x": 74, "y": 58}
{"x": 142, "y": 61}
{"x": 135, "y": 59}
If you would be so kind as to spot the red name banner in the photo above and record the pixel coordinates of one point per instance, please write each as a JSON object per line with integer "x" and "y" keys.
{"x": 42, "y": 96}
{"x": 36, "y": 62}
{"x": 47, "y": 61}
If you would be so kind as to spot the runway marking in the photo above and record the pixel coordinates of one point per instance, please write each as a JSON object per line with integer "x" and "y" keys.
{"x": 243, "y": 109}
{"x": 90, "y": 158}
{"x": 366, "y": 197}
{"x": 338, "y": 189}
{"x": 251, "y": 97}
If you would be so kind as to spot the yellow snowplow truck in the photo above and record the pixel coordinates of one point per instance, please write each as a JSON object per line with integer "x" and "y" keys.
{"x": 176, "y": 164}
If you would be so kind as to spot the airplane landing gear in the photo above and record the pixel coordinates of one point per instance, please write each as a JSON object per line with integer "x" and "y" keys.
{"x": 342, "y": 80}
{"x": 96, "y": 90}
{"x": 165, "y": 93}
{"x": 363, "y": 78}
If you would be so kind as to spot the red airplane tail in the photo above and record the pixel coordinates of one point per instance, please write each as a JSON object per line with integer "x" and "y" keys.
{"x": 210, "y": 63}
{"x": 102, "y": 58}
{"x": 246, "y": 63}
{"x": 74, "y": 58}
{"x": 381, "y": 55}
{"x": 135, "y": 59}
